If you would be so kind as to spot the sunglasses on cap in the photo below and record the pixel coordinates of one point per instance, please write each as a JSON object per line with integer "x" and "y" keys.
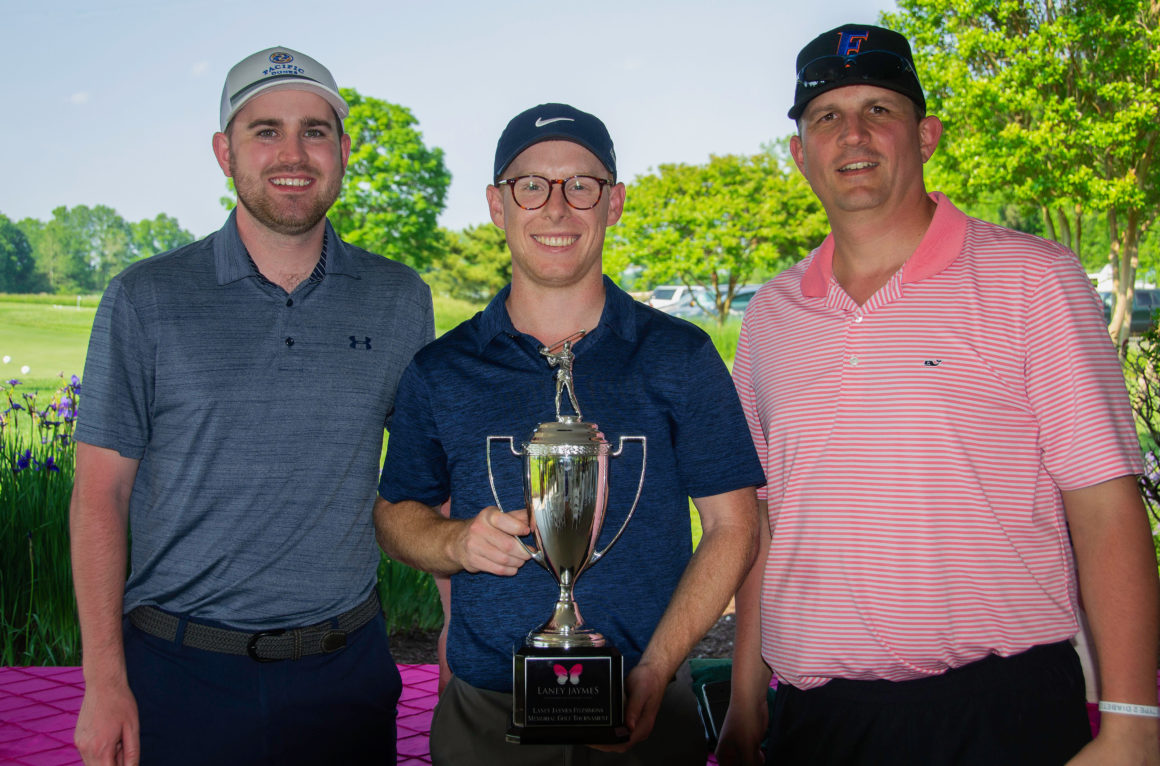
{"x": 868, "y": 65}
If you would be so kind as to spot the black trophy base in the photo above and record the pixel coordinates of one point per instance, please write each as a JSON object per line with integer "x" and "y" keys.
{"x": 568, "y": 697}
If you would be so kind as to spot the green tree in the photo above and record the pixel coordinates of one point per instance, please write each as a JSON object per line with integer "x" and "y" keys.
{"x": 473, "y": 265}
{"x": 58, "y": 262}
{"x": 80, "y": 248}
{"x": 395, "y": 186}
{"x": 1053, "y": 105}
{"x": 17, "y": 266}
{"x": 720, "y": 225}
{"x": 158, "y": 235}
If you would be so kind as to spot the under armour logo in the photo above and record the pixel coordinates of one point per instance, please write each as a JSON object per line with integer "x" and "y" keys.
{"x": 849, "y": 43}
{"x": 932, "y": 363}
{"x": 355, "y": 343}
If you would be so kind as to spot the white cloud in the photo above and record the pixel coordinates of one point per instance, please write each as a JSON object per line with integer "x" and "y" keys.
{"x": 79, "y": 98}
{"x": 200, "y": 68}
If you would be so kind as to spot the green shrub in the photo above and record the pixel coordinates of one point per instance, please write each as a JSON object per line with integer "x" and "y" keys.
{"x": 37, "y": 609}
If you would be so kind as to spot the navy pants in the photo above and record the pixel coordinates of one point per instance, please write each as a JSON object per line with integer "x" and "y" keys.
{"x": 1024, "y": 710}
{"x": 199, "y": 707}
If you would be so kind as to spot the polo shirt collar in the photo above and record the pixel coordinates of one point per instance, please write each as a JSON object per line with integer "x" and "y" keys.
{"x": 940, "y": 246}
{"x": 617, "y": 315}
{"x": 232, "y": 262}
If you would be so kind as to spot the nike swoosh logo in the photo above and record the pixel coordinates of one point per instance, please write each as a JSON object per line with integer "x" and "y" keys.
{"x": 541, "y": 122}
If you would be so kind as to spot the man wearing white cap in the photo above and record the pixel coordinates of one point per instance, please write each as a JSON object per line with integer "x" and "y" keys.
{"x": 236, "y": 395}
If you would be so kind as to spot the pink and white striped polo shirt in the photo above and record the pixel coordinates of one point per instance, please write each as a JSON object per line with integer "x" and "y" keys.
{"x": 913, "y": 448}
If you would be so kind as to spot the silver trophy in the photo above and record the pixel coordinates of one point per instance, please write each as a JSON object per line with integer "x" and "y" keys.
{"x": 566, "y": 496}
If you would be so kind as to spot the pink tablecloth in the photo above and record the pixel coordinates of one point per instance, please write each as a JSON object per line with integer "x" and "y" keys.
{"x": 38, "y": 710}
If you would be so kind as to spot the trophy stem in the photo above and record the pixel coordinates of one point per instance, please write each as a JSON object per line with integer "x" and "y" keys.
{"x": 566, "y": 629}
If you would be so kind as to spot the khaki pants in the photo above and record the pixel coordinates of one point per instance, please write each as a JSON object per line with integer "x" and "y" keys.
{"x": 469, "y": 724}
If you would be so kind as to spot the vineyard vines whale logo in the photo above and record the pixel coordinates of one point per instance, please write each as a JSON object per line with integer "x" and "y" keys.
{"x": 932, "y": 363}
{"x": 566, "y": 676}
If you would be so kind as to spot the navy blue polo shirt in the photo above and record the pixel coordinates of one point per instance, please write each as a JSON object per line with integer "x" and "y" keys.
{"x": 639, "y": 372}
{"x": 257, "y": 417}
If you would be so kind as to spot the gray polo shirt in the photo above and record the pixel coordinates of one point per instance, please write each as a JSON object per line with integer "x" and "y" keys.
{"x": 258, "y": 419}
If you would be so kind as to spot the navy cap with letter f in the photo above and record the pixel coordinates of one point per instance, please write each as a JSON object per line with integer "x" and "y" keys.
{"x": 855, "y": 54}
{"x": 554, "y": 122}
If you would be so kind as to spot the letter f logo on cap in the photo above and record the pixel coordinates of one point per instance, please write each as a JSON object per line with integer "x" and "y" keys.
{"x": 850, "y": 42}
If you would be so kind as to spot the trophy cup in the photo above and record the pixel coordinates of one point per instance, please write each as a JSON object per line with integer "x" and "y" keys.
{"x": 567, "y": 679}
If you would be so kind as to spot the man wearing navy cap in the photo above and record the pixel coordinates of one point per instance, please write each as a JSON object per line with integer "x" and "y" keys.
{"x": 236, "y": 392}
{"x": 951, "y": 465}
{"x": 635, "y": 371}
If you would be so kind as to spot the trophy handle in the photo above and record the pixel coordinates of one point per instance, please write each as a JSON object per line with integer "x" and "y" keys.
{"x": 639, "y": 486}
{"x": 537, "y": 556}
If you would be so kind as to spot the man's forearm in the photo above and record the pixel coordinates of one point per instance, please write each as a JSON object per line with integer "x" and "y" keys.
{"x": 98, "y": 526}
{"x": 751, "y": 675}
{"x": 1116, "y": 565}
{"x": 419, "y": 536}
{"x": 722, "y": 558}
{"x": 415, "y": 534}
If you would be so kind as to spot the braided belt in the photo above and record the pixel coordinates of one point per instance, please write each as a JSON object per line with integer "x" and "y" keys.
{"x": 263, "y": 645}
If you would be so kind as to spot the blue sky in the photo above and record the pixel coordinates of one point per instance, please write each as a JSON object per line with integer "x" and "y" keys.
{"x": 115, "y": 102}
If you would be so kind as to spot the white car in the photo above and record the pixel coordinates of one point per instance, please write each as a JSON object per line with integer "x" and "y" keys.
{"x": 667, "y": 297}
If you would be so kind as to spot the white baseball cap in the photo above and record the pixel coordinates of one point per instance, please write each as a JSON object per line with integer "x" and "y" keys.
{"x": 278, "y": 68}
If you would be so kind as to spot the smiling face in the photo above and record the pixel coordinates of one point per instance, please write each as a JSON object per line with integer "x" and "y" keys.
{"x": 287, "y": 158}
{"x": 862, "y": 148}
{"x": 555, "y": 245}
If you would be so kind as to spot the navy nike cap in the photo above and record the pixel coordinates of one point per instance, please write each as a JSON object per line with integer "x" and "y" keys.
{"x": 554, "y": 122}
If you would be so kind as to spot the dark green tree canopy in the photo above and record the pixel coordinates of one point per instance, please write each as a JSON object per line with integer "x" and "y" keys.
{"x": 474, "y": 264}
{"x": 17, "y": 266}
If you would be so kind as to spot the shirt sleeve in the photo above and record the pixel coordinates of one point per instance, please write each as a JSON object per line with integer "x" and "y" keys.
{"x": 116, "y": 391}
{"x": 416, "y": 465}
{"x": 425, "y": 334}
{"x": 743, "y": 381}
{"x": 1075, "y": 383}
{"x": 714, "y": 451}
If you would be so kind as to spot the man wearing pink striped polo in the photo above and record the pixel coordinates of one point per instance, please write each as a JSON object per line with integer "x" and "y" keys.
{"x": 951, "y": 465}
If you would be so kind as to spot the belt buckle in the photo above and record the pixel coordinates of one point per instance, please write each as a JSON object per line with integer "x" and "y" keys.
{"x": 333, "y": 640}
{"x": 252, "y": 645}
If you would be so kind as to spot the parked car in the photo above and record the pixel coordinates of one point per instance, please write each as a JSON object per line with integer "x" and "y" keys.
{"x": 694, "y": 303}
{"x": 1144, "y": 307}
{"x": 667, "y": 296}
{"x": 741, "y": 298}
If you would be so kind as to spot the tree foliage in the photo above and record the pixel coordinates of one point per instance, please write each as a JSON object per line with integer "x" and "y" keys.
{"x": 473, "y": 265}
{"x": 1052, "y": 104}
{"x": 151, "y": 236}
{"x": 395, "y": 186}
{"x": 17, "y": 266}
{"x": 81, "y": 248}
{"x": 730, "y": 221}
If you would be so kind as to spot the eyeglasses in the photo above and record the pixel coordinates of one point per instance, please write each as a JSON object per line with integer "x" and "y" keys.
{"x": 532, "y": 192}
{"x": 870, "y": 65}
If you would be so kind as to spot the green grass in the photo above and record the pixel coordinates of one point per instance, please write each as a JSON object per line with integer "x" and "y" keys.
{"x": 48, "y": 334}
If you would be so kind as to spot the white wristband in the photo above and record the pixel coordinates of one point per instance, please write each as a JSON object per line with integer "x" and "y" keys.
{"x": 1144, "y": 711}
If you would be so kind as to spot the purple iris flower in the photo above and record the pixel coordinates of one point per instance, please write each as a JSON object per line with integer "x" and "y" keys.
{"x": 23, "y": 461}
{"x": 50, "y": 465}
